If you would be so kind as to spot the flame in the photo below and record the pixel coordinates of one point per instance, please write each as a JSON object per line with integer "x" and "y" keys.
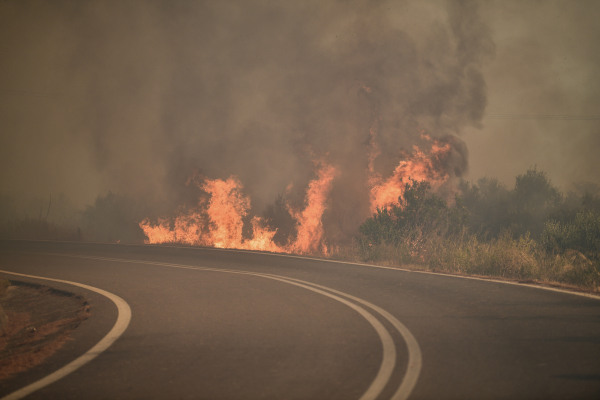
{"x": 262, "y": 238}
{"x": 227, "y": 208}
{"x": 310, "y": 225}
{"x": 219, "y": 221}
{"x": 160, "y": 233}
{"x": 418, "y": 166}
{"x": 188, "y": 229}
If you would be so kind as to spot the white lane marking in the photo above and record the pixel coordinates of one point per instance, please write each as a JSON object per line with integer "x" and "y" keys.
{"x": 123, "y": 318}
{"x": 582, "y": 294}
{"x": 264, "y": 253}
{"x": 219, "y": 249}
{"x": 541, "y": 286}
{"x": 389, "y": 349}
{"x": 415, "y": 359}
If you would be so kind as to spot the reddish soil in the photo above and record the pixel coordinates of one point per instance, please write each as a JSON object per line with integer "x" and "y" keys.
{"x": 39, "y": 322}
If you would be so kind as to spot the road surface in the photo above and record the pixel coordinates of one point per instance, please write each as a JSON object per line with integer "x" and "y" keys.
{"x": 219, "y": 324}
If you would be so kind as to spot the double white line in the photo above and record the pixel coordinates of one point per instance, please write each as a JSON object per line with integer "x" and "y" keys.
{"x": 382, "y": 378}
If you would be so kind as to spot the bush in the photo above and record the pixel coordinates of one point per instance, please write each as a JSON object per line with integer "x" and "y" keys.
{"x": 534, "y": 199}
{"x": 503, "y": 257}
{"x": 492, "y": 232}
{"x": 582, "y": 234}
{"x": 493, "y": 209}
{"x": 418, "y": 215}
{"x": 488, "y": 203}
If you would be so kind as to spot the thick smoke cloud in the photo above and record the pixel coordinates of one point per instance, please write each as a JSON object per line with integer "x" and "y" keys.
{"x": 134, "y": 97}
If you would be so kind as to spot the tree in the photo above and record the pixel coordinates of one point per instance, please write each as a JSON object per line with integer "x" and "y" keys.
{"x": 488, "y": 202}
{"x": 534, "y": 199}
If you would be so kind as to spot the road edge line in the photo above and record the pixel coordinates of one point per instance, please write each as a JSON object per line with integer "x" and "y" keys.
{"x": 417, "y": 271}
{"x": 541, "y": 286}
{"x": 301, "y": 257}
{"x": 123, "y": 319}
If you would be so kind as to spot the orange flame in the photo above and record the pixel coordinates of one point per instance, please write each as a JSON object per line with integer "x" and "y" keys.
{"x": 188, "y": 229}
{"x": 262, "y": 238}
{"x": 418, "y": 166}
{"x": 227, "y": 208}
{"x": 310, "y": 226}
{"x": 160, "y": 233}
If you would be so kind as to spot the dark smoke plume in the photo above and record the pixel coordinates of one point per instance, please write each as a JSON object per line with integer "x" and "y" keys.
{"x": 258, "y": 89}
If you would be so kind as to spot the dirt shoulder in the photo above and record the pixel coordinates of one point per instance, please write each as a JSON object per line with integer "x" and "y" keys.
{"x": 38, "y": 321}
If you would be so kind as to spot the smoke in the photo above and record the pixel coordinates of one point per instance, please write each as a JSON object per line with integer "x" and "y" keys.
{"x": 544, "y": 93}
{"x": 135, "y": 96}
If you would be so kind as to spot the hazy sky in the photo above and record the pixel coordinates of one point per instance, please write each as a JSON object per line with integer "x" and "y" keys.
{"x": 546, "y": 64}
{"x": 133, "y": 96}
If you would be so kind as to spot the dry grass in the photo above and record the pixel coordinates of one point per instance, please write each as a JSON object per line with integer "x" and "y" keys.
{"x": 516, "y": 259}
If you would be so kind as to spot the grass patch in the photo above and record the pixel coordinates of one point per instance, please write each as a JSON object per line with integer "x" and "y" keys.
{"x": 522, "y": 259}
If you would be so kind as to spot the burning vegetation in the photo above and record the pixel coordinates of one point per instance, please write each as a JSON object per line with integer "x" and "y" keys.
{"x": 218, "y": 220}
{"x": 315, "y": 127}
{"x": 531, "y": 232}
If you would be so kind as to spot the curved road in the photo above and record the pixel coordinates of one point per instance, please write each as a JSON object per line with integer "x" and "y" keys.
{"x": 218, "y": 324}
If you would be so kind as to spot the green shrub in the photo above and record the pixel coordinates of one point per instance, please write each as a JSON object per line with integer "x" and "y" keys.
{"x": 488, "y": 203}
{"x": 582, "y": 234}
{"x": 418, "y": 215}
{"x": 531, "y": 232}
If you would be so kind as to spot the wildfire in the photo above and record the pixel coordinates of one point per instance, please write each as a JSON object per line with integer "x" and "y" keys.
{"x": 418, "y": 166}
{"x": 219, "y": 221}
{"x": 227, "y": 208}
{"x": 310, "y": 226}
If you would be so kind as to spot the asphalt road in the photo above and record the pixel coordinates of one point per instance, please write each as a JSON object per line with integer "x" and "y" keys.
{"x": 217, "y": 324}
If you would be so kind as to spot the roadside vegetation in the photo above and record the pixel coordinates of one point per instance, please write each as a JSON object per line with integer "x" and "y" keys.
{"x": 532, "y": 232}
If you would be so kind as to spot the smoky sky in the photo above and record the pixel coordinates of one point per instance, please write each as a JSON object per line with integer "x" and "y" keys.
{"x": 135, "y": 96}
{"x": 546, "y": 65}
